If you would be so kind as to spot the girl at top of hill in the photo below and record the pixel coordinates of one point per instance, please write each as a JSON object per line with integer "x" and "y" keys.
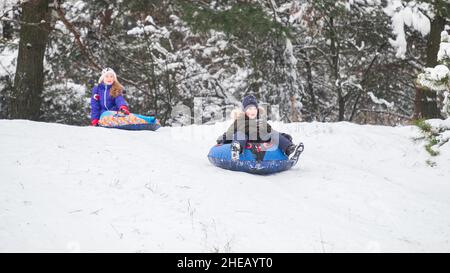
{"x": 107, "y": 96}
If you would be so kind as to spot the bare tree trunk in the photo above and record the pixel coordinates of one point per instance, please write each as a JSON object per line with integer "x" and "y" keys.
{"x": 310, "y": 85}
{"x": 29, "y": 78}
{"x": 334, "y": 48}
{"x": 425, "y": 100}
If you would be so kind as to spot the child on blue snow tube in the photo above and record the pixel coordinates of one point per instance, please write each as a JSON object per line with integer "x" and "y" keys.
{"x": 250, "y": 125}
{"x": 110, "y": 109}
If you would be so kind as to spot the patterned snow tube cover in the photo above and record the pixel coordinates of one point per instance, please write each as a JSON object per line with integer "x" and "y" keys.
{"x": 134, "y": 122}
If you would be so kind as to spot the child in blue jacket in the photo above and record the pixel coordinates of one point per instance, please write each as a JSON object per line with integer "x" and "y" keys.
{"x": 107, "y": 96}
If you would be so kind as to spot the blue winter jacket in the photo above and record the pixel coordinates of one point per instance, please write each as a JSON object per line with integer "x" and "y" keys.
{"x": 102, "y": 101}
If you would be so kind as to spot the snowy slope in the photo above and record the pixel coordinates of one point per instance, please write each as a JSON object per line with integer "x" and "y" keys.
{"x": 357, "y": 188}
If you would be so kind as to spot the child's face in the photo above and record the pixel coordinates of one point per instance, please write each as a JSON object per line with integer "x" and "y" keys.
{"x": 251, "y": 112}
{"x": 108, "y": 79}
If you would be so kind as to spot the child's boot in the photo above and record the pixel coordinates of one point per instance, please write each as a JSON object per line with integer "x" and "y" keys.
{"x": 235, "y": 150}
{"x": 294, "y": 151}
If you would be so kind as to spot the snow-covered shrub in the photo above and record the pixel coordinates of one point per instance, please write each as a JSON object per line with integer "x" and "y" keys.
{"x": 435, "y": 78}
{"x": 438, "y": 78}
{"x": 66, "y": 103}
{"x": 436, "y": 131}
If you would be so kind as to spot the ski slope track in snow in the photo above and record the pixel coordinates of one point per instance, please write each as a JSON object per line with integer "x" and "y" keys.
{"x": 356, "y": 188}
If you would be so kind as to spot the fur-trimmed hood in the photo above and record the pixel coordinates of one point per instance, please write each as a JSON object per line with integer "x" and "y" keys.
{"x": 238, "y": 113}
{"x": 244, "y": 126}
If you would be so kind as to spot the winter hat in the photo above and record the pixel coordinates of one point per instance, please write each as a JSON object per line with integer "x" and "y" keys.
{"x": 106, "y": 71}
{"x": 249, "y": 100}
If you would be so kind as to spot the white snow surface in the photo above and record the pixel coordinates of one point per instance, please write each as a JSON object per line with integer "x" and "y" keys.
{"x": 89, "y": 189}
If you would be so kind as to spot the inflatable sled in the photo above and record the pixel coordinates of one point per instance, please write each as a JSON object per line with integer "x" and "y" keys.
{"x": 134, "y": 122}
{"x": 257, "y": 158}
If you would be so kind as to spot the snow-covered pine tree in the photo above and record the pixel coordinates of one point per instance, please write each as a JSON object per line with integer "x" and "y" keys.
{"x": 345, "y": 63}
{"x": 259, "y": 43}
{"x": 429, "y": 18}
{"x": 278, "y": 49}
{"x": 437, "y": 79}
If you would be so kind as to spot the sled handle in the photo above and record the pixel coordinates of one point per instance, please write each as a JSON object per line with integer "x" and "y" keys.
{"x": 119, "y": 114}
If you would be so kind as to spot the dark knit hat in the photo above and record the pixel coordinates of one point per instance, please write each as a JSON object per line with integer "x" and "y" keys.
{"x": 249, "y": 100}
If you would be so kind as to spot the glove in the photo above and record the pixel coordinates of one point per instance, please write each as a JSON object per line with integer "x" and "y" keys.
{"x": 94, "y": 122}
{"x": 124, "y": 110}
{"x": 221, "y": 139}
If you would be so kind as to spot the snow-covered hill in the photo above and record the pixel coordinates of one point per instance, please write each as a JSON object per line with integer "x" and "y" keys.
{"x": 357, "y": 188}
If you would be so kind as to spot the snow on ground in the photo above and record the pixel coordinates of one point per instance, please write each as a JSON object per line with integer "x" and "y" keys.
{"x": 357, "y": 188}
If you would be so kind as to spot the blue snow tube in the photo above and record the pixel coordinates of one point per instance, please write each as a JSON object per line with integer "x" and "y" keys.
{"x": 271, "y": 159}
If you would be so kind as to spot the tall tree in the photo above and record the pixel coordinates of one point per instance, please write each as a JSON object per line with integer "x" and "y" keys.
{"x": 426, "y": 99}
{"x": 29, "y": 78}
{"x": 343, "y": 53}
